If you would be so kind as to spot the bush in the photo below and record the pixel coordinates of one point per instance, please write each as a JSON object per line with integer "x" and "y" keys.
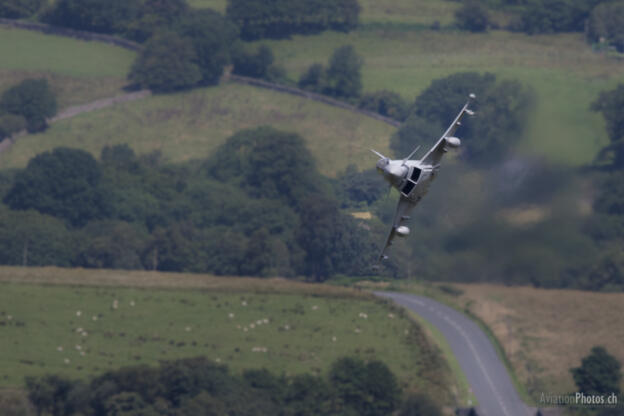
{"x": 31, "y": 99}
{"x": 167, "y": 63}
{"x": 16, "y": 9}
{"x": 11, "y": 124}
{"x": 472, "y": 16}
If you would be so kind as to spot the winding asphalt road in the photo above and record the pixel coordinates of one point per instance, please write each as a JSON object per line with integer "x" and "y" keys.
{"x": 486, "y": 374}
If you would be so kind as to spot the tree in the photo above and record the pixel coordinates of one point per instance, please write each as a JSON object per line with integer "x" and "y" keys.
{"x": 167, "y": 63}
{"x": 415, "y": 131}
{"x": 367, "y": 388}
{"x": 49, "y": 394}
{"x": 314, "y": 78}
{"x": 360, "y": 187}
{"x": 256, "y": 65}
{"x": 502, "y": 108}
{"x": 552, "y": 16}
{"x": 63, "y": 183}
{"x": 155, "y": 16}
{"x": 307, "y": 395}
{"x": 31, "y": 99}
{"x": 472, "y": 16}
{"x": 29, "y": 238}
{"x": 111, "y": 245}
{"x": 103, "y": 16}
{"x": 386, "y": 103}
{"x": 268, "y": 163}
{"x": 344, "y": 77}
{"x": 606, "y": 24}
{"x": 212, "y": 37}
{"x": 599, "y": 373}
{"x": 283, "y": 18}
{"x": 16, "y": 9}
{"x": 610, "y": 104}
{"x": 419, "y": 405}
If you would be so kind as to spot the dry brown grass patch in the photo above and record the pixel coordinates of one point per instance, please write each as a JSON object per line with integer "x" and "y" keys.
{"x": 544, "y": 333}
{"x": 149, "y": 279}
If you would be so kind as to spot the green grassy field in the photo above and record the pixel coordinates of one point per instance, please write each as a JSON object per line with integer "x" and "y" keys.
{"x": 78, "y": 71}
{"x": 563, "y": 70}
{"x": 79, "y": 331}
{"x": 191, "y": 125}
{"x": 34, "y": 51}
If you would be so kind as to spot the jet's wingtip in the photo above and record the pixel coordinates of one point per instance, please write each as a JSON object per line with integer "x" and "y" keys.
{"x": 472, "y": 96}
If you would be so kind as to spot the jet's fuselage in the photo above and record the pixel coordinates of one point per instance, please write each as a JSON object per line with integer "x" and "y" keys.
{"x": 409, "y": 177}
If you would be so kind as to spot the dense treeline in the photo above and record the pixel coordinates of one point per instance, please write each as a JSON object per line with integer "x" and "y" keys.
{"x": 197, "y": 386}
{"x": 282, "y": 18}
{"x": 258, "y": 207}
{"x": 601, "y": 20}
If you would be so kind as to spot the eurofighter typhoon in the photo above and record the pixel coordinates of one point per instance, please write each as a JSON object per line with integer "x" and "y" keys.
{"x": 412, "y": 178}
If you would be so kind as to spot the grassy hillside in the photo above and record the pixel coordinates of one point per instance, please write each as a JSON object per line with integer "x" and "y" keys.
{"x": 191, "y": 125}
{"x": 78, "y": 71}
{"x": 287, "y": 327}
{"x": 564, "y": 72}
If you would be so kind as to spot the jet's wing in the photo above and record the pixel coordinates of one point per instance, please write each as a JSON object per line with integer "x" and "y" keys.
{"x": 401, "y": 216}
{"x": 433, "y": 156}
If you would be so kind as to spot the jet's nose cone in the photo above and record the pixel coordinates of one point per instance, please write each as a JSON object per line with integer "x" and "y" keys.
{"x": 397, "y": 171}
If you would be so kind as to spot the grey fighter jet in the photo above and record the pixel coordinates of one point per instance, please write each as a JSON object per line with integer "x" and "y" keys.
{"x": 413, "y": 177}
